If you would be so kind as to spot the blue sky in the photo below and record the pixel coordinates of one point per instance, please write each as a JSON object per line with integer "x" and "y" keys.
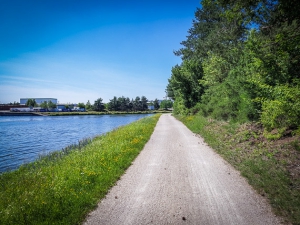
{"x": 80, "y": 50}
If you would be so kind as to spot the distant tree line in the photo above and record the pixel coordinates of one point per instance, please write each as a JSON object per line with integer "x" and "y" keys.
{"x": 121, "y": 104}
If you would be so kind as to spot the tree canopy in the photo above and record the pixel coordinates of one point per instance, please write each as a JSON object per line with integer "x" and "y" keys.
{"x": 241, "y": 61}
{"x": 98, "y": 105}
{"x": 166, "y": 104}
{"x": 47, "y": 105}
{"x": 81, "y": 105}
{"x": 31, "y": 102}
{"x": 125, "y": 104}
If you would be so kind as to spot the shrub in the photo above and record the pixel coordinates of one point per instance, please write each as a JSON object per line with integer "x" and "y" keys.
{"x": 283, "y": 111}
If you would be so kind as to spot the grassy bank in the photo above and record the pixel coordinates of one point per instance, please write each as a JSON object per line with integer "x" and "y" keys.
{"x": 271, "y": 167}
{"x": 63, "y": 187}
{"x": 103, "y": 113}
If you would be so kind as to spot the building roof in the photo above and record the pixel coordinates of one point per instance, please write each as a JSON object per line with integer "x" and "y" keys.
{"x": 39, "y": 98}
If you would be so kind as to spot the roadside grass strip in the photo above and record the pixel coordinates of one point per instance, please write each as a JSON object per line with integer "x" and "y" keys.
{"x": 271, "y": 167}
{"x": 63, "y": 187}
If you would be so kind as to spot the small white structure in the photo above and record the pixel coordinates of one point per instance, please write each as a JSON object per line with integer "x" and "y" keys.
{"x": 21, "y": 110}
{"x": 77, "y": 109}
{"x": 38, "y": 100}
{"x": 151, "y": 107}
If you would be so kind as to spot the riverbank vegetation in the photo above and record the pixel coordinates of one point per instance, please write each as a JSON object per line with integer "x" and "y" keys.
{"x": 63, "y": 187}
{"x": 241, "y": 61}
{"x": 271, "y": 166}
{"x": 239, "y": 86}
{"x": 122, "y": 104}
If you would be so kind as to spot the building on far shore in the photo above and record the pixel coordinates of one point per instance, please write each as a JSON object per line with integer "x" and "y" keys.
{"x": 38, "y": 100}
{"x": 63, "y": 106}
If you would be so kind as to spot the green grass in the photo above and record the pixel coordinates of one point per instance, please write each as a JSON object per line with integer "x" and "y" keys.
{"x": 269, "y": 166}
{"x": 63, "y": 187}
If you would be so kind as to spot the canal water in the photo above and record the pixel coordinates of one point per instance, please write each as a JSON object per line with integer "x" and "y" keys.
{"x": 24, "y": 138}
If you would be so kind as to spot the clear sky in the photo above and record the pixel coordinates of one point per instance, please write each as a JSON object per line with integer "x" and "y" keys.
{"x": 80, "y": 50}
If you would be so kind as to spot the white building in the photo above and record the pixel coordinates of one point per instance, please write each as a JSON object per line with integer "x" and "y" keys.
{"x": 38, "y": 100}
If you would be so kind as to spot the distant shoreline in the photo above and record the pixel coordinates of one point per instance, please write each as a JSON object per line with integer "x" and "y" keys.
{"x": 104, "y": 113}
{"x": 8, "y": 113}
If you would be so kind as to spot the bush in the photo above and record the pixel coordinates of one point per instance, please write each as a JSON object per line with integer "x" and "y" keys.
{"x": 179, "y": 108}
{"x": 283, "y": 112}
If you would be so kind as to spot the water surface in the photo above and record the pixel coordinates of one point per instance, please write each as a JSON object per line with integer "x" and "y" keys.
{"x": 24, "y": 138}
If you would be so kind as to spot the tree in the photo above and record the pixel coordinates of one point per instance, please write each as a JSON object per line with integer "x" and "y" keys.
{"x": 98, "y": 105}
{"x": 129, "y": 104}
{"x": 31, "y": 102}
{"x": 114, "y": 104}
{"x": 81, "y": 105}
{"x": 156, "y": 104}
{"x": 184, "y": 82}
{"x": 211, "y": 32}
{"x": 51, "y": 105}
{"x": 123, "y": 106}
{"x": 144, "y": 103}
{"x": 137, "y": 104}
{"x": 166, "y": 104}
{"x": 44, "y": 105}
{"x": 105, "y": 106}
{"x": 88, "y": 105}
{"x": 241, "y": 61}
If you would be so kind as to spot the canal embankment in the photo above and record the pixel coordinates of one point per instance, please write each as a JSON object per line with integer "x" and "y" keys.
{"x": 24, "y": 138}
{"x": 63, "y": 187}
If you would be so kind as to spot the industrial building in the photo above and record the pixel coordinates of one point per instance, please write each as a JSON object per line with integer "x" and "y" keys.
{"x": 38, "y": 100}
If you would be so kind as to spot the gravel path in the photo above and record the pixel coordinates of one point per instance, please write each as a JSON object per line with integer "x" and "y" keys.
{"x": 178, "y": 179}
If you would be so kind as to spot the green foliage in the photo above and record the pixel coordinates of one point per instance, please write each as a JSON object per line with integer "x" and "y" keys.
{"x": 215, "y": 70}
{"x": 296, "y": 144}
{"x": 284, "y": 110}
{"x": 64, "y": 186}
{"x": 31, "y": 102}
{"x": 44, "y": 105}
{"x": 48, "y": 105}
{"x": 184, "y": 82}
{"x": 232, "y": 72}
{"x": 98, "y": 105}
{"x": 81, "y": 105}
{"x": 156, "y": 104}
{"x": 114, "y": 104}
{"x": 262, "y": 162}
{"x": 166, "y": 104}
{"x": 88, "y": 106}
{"x": 179, "y": 107}
{"x": 51, "y": 105}
{"x": 125, "y": 104}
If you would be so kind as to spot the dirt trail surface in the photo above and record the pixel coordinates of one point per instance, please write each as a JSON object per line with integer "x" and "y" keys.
{"x": 178, "y": 179}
